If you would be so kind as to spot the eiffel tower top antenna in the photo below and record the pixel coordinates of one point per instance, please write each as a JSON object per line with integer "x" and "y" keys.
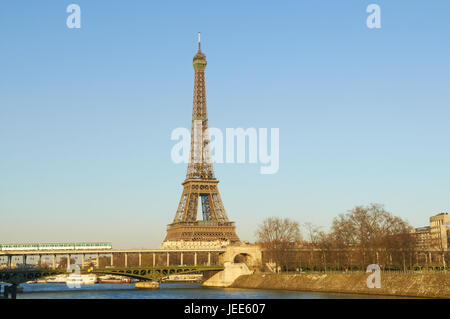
{"x": 199, "y": 41}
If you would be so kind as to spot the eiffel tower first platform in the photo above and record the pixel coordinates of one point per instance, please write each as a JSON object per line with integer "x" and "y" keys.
{"x": 200, "y": 180}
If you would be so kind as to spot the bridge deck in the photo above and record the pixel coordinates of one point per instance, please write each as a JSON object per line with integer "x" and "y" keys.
{"x": 106, "y": 251}
{"x": 17, "y": 276}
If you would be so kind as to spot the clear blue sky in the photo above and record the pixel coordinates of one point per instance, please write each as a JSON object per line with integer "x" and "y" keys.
{"x": 86, "y": 115}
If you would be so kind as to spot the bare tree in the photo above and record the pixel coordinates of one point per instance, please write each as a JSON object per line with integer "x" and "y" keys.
{"x": 312, "y": 234}
{"x": 314, "y": 240}
{"x": 277, "y": 236}
{"x": 371, "y": 230}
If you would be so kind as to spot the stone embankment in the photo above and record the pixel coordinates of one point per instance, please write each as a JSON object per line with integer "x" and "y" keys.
{"x": 429, "y": 285}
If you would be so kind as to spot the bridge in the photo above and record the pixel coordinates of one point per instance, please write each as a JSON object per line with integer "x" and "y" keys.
{"x": 142, "y": 257}
{"x": 154, "y": 273}
{"x": 161, "y": 264}
{"x": 166, "y": 257}
{"x": 20, "y": 275}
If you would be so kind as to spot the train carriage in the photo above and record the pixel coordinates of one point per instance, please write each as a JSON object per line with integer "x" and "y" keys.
{"x": 56, "y": 246}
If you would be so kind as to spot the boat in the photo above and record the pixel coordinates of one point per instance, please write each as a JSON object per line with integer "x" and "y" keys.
{"x": 60, "y": 279}
{"x": 75, "y": 279}
{"x": 72, "y": 279}
{"x": 37, "y": 281}
{"x": 115, "y": 280}
{"x": 185, "y": 278}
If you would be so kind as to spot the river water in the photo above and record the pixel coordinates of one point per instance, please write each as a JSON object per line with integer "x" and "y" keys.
{"x": 166, "y": 291}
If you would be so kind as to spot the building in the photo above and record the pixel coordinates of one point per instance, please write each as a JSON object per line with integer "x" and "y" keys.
{"x": 435, "y": 236}
{"x": 90, "y": 262}
{"x": 422, "y": 237}
{"x": 440, "y": 231}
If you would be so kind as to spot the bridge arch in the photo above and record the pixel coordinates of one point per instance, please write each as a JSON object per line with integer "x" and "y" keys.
{"x": 248, "y": 254}
{"x": 153, "y": 273}
{"x": 245, "y": 258}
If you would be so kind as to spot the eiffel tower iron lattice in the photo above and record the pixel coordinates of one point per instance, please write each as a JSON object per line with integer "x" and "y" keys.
{"x": 200, "y": 178}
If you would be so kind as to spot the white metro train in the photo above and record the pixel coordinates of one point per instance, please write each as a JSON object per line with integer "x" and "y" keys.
{"x": 55, "y": 246}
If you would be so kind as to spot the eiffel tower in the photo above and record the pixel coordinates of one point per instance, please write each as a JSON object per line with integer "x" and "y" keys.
{"x": 200, "y": 180}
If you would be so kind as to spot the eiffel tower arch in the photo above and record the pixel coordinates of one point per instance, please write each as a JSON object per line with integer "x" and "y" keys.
{"x": 200, "y": 186}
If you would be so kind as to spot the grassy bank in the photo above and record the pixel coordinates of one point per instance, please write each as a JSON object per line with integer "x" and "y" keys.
{"x": 402, "y": 284}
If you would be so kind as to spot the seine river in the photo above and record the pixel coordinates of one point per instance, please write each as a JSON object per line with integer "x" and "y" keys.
{"x": 166, "y": 291}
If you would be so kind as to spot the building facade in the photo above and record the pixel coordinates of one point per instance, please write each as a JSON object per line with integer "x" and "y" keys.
{"x": 435, "y": 236}
{"x": 440, "y": 231}
{"x": 423, "y": 237}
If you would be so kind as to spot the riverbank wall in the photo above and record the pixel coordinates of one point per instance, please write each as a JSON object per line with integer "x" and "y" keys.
{"x": 428, "y": 285}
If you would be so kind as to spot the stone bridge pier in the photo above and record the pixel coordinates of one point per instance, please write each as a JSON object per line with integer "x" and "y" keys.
{"x": 238, "y": 260}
